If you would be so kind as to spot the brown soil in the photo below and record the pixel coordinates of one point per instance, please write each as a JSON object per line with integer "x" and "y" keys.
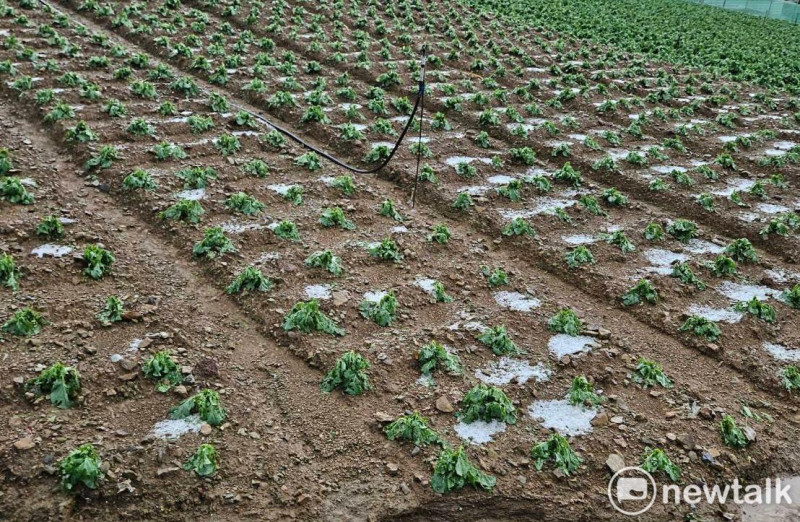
{"x": 288, "y": 450}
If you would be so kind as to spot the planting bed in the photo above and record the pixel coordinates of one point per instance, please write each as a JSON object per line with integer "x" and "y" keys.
{"x": 608, "y": 215}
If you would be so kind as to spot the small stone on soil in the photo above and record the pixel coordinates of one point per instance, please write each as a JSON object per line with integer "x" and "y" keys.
{"x": 24, "y": 444}
{"x": 443, "y": 405}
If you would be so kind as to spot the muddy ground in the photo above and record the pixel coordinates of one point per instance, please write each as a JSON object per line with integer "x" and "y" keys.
{"x": 289, "y": 451}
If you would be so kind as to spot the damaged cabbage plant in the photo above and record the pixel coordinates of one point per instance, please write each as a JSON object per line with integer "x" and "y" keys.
{"x": 25, "y": 322}
{"x": 382, "y": 312}
{"x": 434, "y": 356}
{"x": 205, "y": 404}
{"x": 82, "y": 467}
{"x": 349, "y": 374}
{"x": 486, "y": 403}
{"x": 413, "y": 427}
{"x": 327, "y": 260}
{"x": 204, "y": 461}
{"x": 61, "y": 383}
{"x": 498, "y": 340}
{"x": 556, "y": 449}
{"x": 306, "y": 317}
{"x": 161, "y": 368}
{"x": 454, "y": 471}
{"x": 111, "y": 312}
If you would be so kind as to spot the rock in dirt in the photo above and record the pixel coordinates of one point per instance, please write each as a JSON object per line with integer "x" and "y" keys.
{"x": 443, "y": 405}
{"x": 686, "y": 440}
{"x": 128, "y": 364}
{"x": 165, "y": 471}
{"x": 615, "y": 462}
{"x": 340, "y": 298}
{"x": 125, "y": 486}
{"x": 207, "y": 367}
{"x": 601, "y": 419}
{"x": 383, "y": 417}
{"x": 132, "y": 316}
{"x": 25, "y": 444}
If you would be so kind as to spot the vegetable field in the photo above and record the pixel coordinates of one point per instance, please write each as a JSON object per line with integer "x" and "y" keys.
{"x": 201, "y": 317}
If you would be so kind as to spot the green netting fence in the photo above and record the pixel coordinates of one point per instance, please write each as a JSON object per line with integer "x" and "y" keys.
{"x": 777, "y": 9}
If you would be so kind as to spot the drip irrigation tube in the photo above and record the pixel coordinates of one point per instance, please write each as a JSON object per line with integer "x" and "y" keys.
{"x": 419, "y": 104}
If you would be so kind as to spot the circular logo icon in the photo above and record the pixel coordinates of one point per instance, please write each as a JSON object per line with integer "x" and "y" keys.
{"x": 634, "y": 488}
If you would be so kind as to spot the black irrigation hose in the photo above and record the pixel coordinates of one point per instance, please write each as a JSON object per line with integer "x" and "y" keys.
{"x": 419, "y": 103}
{"x": 420, "y": 96}
{"x": 289, "y": 134}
